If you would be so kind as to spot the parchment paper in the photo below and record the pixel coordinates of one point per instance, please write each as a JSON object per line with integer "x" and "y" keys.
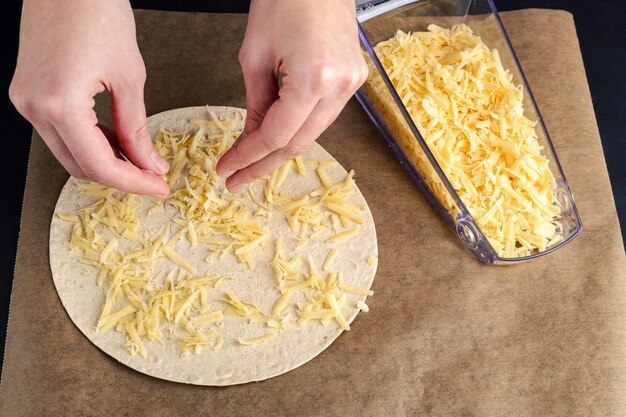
{"x": 445, "y": 336}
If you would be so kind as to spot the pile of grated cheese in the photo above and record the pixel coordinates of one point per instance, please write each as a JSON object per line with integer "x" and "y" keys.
{"x": 152, "y": 293}
{"x": 470, "y": 114}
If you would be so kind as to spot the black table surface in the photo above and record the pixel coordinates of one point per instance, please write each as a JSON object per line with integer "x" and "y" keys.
{"x": 602, "y": 36}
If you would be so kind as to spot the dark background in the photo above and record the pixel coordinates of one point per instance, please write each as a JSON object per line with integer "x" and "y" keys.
{"x": 602, "y": 36}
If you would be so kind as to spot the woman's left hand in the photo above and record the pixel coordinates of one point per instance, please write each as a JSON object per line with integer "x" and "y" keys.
{"x": 313, "y": 47}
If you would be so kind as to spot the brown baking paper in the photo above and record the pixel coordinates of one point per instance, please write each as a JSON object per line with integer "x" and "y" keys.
{"x": 445, "y": 336}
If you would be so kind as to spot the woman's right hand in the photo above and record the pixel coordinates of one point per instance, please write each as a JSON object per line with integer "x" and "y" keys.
{"x": 69, "y": 52}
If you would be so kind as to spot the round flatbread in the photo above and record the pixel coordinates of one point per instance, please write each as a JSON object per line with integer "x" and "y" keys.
{"x": 233, "y": 362}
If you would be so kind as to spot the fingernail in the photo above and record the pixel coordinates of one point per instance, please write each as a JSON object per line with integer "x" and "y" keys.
{"x": 160, "y": 196}
{"x": 160, "y": 163}
{"x": 238, "y": 188}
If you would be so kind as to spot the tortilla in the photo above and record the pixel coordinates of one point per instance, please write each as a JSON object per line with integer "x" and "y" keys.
{"x": 232, "y": 363}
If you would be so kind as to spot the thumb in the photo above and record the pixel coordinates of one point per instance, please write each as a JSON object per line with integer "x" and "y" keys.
{"x": 131, "y": 127}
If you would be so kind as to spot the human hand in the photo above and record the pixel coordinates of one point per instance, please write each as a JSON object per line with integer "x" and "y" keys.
{"x": 70, "y": 51}
{"x": 313, "y": 47}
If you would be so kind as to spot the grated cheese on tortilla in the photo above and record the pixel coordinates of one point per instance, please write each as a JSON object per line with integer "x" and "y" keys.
{"x": 152, "y": 293}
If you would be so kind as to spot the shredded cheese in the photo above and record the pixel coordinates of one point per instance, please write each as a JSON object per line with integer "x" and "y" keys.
{"x": 354, "y": 290}
{"x": 285, "y": 269}
{"x": 211, "y": 317}
{"x": 257, "y": 340}
{"x": 176, "y": 258}
{"x": 470, "y": 114}
{"x": 339, "y": 237}
{"x": 332, "y": 254}
{"x": 299, "y": 165}
{"x": 142, "y": 297}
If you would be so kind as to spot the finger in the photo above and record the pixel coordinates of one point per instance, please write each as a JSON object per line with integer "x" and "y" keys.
{"x": 93, "y": 153}
{"x": 325, "y": 112}
{"x": 131, "y": 126}
{"x": 282, "y": 121}
{"x": 240, "y": 180}
{"x": 258, "y": 100}
{"x": 54, "y": 142}
{"x": 261, "y": 92}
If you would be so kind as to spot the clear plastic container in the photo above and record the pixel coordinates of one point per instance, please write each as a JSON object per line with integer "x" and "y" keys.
{"x": 379, "y": 22}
